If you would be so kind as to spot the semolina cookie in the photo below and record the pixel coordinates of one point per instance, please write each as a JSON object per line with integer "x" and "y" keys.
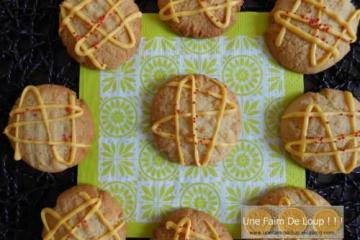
{"x": 100, "y": 34}
{"x": 49, "y": 128}
{"x": 292, "y": 196}
{"x": 199, "y": 18}
{"x": 321, "y": 131}
{"x": 190, "y": 224}
{"x": 309, "y": 36}
{"x": 84, "y": 212}
{"x": 289, "y": 196}
{"x": 196, "y": 120}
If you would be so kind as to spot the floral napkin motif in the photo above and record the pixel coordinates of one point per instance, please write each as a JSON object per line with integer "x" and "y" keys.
{"x": 147, "y": 184}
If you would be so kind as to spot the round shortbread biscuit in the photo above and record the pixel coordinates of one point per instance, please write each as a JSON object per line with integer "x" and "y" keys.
{"x": 100, "y": 34}
{"x": 321, "y": 131}
{"x": 49, "y": 128}
{"x": 292, "y": 196}
{"x": 201, "y": 224}
{"x": 291, "y": 41}
{"x": 199, "y": 118}
{"x": 199, "y": 18}
{"x": 84, "y": 212}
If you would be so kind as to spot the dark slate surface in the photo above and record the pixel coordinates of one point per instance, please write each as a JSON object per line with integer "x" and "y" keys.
{"x": 31, "y": 53}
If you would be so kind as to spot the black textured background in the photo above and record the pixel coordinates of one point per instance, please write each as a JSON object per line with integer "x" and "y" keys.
{"x": 31, "y": 53}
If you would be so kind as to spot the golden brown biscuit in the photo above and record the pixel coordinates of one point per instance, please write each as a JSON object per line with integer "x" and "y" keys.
{"x": 292, "y": 196}
{"x": 196, "y": 120}
{"x": 191, "y": 225}
{"x": 321, "y": 131}
{"x": 84, "y": 212}
{"x": 199, "y": 18}
{"x": 100, "y": 34}
{"x": 49, "y": 128}
{"x": 309, "y": 36}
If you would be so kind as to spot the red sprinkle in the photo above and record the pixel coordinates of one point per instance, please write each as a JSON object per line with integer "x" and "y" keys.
{"x": 67, "y": 138}
{"x": 101, "y": 19}
{"x": 78, "y": 37}
{"x": 314, "y": 22}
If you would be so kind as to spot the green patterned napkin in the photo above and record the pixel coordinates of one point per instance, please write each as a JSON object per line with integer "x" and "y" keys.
{"x": 123, "y": 159}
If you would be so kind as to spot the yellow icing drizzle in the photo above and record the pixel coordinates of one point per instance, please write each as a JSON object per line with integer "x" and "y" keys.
{"x": 347, "y": 34}
{"x": 73, "y": 110}
{"x": 81, "y": 47}
{"x": 219, "y": 114}
{"x": 92, "y": 206}
{"x": 329, "y": 138}
{"x": 308, "y": 196}
{"x": 304, "y": 194}
{"x": 184, "y": 228}
{"x": 168, "y": 11}
{"x": 284, "y": 201}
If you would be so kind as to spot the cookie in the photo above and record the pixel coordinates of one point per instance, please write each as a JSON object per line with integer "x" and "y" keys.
{"x": 309, "y": 36}
{"x": 196, "y": 120}
{"x": 100, "y": 34}
{"x": 292, "y": 196}
{"x": 321, "y": 131}
{"x": 190, "y": 224}
{"x": 49, "y": 128}
{"x": 199, "y": 18}
{"x": 84, "y": 212}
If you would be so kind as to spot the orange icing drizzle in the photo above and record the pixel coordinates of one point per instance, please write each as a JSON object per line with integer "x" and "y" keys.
{"x": 225, "y": 101}
{"x": 184, "y": 228}
{"x": 347, "y": 34}
{"x": 93, "y": 204}
{"x": 329, "y": 138}
{"x": 168, "y": 12}
{"x": 81, "y": 47}
{"x": 74, "y": 112}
